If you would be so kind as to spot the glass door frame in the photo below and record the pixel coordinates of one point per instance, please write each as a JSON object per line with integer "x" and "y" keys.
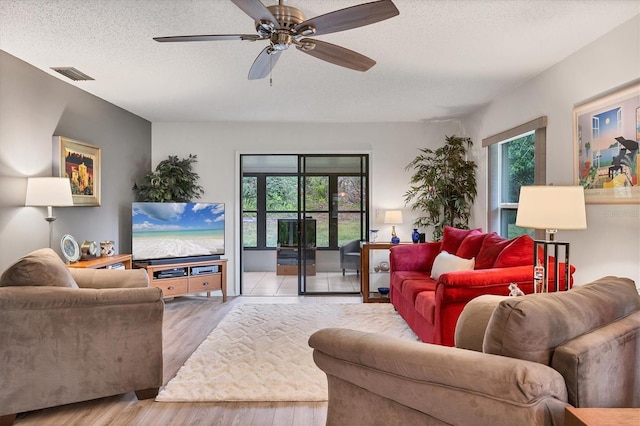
{"x": 303, "y": 251}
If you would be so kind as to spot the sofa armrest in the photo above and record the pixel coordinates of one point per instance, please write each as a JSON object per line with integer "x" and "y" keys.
{"x": 413, "y": 257}
{"x": 485, "y": 277}
{"x": 463, "y": 286}
{"x": 110, "y": 278}
{"x": 473, "y": 321}
{"x": 37, "y": 298}
{"x": 449, "y": 384}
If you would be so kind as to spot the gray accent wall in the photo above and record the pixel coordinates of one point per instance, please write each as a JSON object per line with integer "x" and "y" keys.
{"x": 35, "y": 106}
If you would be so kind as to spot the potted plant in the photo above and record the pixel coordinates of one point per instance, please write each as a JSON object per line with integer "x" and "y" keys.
{"x": 173, "y": 180}
{"x": 443, "y": 185}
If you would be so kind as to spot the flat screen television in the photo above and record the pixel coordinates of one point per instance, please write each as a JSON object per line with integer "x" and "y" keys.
{"x": 288, "y": 232}
{"x": 169, "y": 231}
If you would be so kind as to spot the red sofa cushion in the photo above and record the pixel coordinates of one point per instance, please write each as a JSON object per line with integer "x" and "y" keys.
{"x": 518, "y": 252}
{"x": 452, "y": 237}
{"x": 491, "y": 247}
{"x": 425, "y": 305}
{"x": 411, "y": 288}
{"x": 399, "y": 278}
{"x": 470, "y": 246}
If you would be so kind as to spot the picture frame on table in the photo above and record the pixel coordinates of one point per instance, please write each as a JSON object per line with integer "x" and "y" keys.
{"x": 80, "y": 162}
{"x": 606, "y": 134}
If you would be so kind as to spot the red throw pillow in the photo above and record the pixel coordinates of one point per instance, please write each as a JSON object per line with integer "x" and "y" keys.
{"x": 491, "y": 247}
{"x": 519, "y": 252}
{"x": 470, "y": 246}
{"x": 452, "y": 237}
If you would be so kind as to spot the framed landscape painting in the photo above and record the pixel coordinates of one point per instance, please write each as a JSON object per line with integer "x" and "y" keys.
{"x": 606, "y": 135}
{"x": 80, "y": 162}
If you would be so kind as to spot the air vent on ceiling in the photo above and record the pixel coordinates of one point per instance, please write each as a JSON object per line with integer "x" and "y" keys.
{"x": 72, "y": 73}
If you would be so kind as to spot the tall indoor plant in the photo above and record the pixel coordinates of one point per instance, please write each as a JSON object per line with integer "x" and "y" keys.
{"x": 173, "y": 180}
{"x": 443, "y": 186}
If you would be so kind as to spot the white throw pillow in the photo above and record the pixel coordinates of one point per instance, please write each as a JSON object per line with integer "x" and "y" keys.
{"x": 445, "y": 262}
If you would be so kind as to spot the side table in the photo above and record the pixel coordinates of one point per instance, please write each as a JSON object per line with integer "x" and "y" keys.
{"x": 601, "y": 416}
{"x": 366, "y": 250}
{"x": 103, "y": 261}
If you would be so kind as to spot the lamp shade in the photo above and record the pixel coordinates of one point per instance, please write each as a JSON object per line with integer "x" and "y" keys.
{"x": 551, "y": 207}
{"x": 48, "y": 191}
{"x": 393, "y": 216}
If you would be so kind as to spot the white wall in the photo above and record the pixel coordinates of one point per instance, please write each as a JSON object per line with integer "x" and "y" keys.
{"x": 391, "y": 146}
{"x": 611, "y": 244}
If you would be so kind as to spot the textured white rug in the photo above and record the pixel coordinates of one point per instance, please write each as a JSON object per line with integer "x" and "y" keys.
{"x": 259, "y": 352}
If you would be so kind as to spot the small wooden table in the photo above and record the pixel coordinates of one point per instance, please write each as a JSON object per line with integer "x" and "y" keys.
{"x": 369, "y": 296}
{"x": 103, "y": 261}
{"x": 602, "y": 416}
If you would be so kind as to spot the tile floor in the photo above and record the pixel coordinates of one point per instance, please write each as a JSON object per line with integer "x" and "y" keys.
{"x": 270, "y": 284}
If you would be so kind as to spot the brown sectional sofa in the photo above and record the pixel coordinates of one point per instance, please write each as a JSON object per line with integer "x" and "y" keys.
{"x": 518, "y": 361}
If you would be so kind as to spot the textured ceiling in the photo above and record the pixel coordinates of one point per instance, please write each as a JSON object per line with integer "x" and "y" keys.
{"x": 438, "y": 59}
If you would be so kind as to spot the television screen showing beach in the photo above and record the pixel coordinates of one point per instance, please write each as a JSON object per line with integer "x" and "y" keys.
{"x": 169, "y": 230}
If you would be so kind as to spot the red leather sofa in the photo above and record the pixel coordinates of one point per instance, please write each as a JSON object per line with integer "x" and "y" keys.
{"x": 431, "y": 307}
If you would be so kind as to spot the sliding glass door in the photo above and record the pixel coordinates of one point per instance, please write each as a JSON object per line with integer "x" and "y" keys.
{"x": 333, "y": 200}
{"x": 298, "y": 211}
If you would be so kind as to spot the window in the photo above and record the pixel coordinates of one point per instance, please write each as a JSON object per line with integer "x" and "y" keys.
{"x": 517, "y": 168}
{"x": 267, "y": 197}
{"x": 250, "y": 211}
{"x": 349, "y": 199}
{"x": 281, "y": 194}
{"x": 516, "y": 157}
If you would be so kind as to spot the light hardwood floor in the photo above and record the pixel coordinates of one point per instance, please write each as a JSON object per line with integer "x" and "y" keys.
{"x": 187, "y": 322}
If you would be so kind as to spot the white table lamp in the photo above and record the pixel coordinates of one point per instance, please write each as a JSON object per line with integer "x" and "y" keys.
{"x": 551, "y": 208}
{"x": 393, "y": 217}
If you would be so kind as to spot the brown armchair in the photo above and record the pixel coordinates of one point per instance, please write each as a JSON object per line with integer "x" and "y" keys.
{"x": 518, "y": 360}
{"x": 70, "y": 336}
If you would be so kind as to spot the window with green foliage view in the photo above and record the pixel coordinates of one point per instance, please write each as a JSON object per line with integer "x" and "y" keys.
{"x": 517, "y": 168}
{"x": 269, "y": 197}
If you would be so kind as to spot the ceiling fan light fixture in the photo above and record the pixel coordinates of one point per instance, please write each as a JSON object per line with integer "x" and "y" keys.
{"x": 306, "y": 31}
{"x": 281, "y": 40}
{"x": 306, "y": 46}
{"x": 265, "y": 28}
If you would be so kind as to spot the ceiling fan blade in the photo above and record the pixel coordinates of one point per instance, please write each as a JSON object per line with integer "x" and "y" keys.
{"x": 257, "y": 11}
{"x": 337, "y": 55}
{"x": 351, "y": 17}
{"x": 264, "y": 63}
{"x": 212, "y": 37}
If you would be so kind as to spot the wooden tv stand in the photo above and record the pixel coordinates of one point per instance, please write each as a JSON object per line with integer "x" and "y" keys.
{"x": 180, "y": 278}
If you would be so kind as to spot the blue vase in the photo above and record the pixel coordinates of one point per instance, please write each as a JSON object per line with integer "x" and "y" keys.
{"x": 415, "y": 236}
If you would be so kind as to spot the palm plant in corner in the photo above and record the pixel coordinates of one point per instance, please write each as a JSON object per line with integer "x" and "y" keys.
{"x": 443, "y": 186}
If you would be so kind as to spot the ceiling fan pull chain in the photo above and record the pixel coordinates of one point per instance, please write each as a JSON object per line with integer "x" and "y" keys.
{"x": 270, "y": 70}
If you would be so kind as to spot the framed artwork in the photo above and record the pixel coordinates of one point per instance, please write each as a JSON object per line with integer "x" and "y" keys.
{"x": 80, "y": 162}
{"x": 606, "y": 135}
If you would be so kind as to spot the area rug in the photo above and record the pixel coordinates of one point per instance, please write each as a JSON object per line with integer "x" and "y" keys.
{"x": 259, "y": 352}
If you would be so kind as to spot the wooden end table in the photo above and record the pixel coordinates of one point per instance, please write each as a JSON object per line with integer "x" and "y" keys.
{"x": 366, "y": 250}
{"x": 103, "y": 262}
{"x": 602, "y": 416}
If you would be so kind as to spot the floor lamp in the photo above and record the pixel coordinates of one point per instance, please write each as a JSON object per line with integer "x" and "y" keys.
{"x": 551, "y": 208}
{"x": 50, "y": 192}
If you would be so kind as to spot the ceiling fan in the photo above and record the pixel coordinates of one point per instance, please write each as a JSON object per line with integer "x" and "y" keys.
{"x": 284, "y": 26}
